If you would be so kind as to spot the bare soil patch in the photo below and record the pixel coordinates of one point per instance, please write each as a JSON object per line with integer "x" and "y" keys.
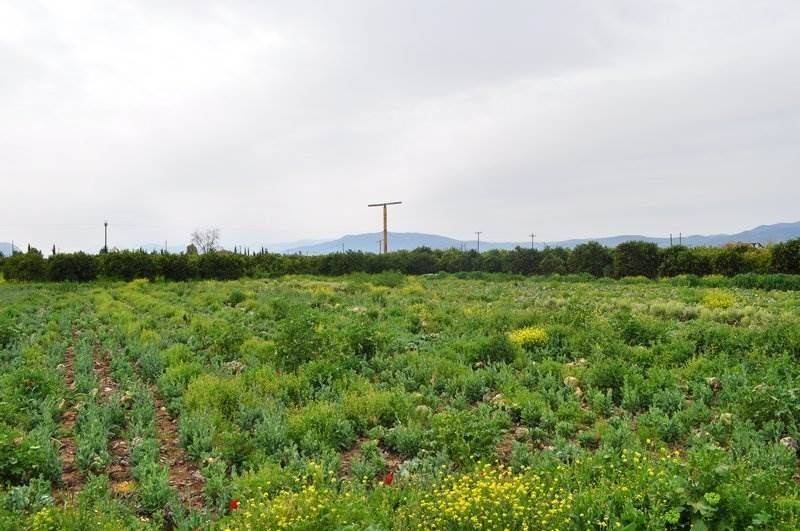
{"x": 119, "y": 470}
{"x": 184, "y": 476}
{"x": 71, "y": 477}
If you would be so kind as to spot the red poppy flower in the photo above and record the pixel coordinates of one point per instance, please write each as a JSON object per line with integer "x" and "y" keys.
{"x": 389, "y": 479}
{"x": 234, "y": 505}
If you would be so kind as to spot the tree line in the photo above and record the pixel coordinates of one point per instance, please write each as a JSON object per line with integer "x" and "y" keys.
{"x": 628, "y": 259}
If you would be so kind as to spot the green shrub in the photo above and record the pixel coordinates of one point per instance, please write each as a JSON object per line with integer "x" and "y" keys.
{"x": 30, "y": 267}
{"x": 78, "y": 267}
{"x": 592, "y": 258}
{"x": 8, "y": 330}
{"x": 217, "y": 486}
{"x": 235, "y": 298}
{"x": 469, "y": 435}
{"x": 25, "y": 456}
{"x": 151, "y": 365}
{"x": 128, "y": 265}
{"x": 319, "y": 426}
{"x": 29, "y": 498}
{"x": 176, "y": 378}
{"x": 407, "y": 439}
{"x": 297, "y": 340}
{"x": 632, "y": 259}
{"x": 493, "y": 349}
{"x": 221, "y": 266}
{"x": 197, "y": 434}
{"x": 362, "y": 338}
{"x": 178, "y": 267}
{"x": 786, "y": 257}
{"x": 153, "y": 490}
{"x": 270, "y": 434}
{"x": 369, "y": 464}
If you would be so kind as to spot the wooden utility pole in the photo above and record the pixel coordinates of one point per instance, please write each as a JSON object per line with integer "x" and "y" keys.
{"x": 385, "y": 229}
{"x": 105, "y": 236}
{"x": 532, "y": 235}
{"x": 479, "y": 239}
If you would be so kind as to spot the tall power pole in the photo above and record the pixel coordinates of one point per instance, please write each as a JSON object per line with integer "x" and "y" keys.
{"x": 532, "y": 235}
{"x": 105, "y": 236}
{"x": 479, "y": 239}
{"x": 385, "y": 229}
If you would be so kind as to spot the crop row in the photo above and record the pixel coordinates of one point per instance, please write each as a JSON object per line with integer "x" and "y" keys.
{"x": 422, "y": 402}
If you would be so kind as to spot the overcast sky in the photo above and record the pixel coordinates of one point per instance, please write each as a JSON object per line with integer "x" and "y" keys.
{"x": 277, "y": 121}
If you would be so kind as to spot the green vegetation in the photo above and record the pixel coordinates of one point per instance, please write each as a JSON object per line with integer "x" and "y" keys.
{"x": 447, "y": 401}
{"x": 630, "y": 259}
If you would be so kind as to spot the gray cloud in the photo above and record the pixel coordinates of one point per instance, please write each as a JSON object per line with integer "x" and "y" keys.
{"x": 276, "y": 120}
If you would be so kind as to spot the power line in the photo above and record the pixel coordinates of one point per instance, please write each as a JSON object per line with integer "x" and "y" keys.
{"x": 385, "y": 229}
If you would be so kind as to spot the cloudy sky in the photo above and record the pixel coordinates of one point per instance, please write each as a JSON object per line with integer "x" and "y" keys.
{"x": 277, "y": 121}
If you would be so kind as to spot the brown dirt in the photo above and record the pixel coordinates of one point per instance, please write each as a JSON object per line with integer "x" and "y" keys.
{"x": 392, "y": 459}
{"x": 119, "y": 470}
{"x": 184, "y": 476}
{"x": 505, "y": 446}
{"x": 349, "y": 456}
{"x": 71, "y": 478}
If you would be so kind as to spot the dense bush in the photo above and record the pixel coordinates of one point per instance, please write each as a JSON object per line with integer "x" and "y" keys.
{"x": 629, "y": 259}
{"x": 592, "y": 258}
{"x": 178, "y": 267}
{"x": 634, "y": 259}
{"x": 786, "y": 257}
{"x": 730, "y": 261}
{"x": 680, "y": 260}
{"x": 30, "y": 266}
{"x": 77, "y": 267}
{"x": 221, "y": 266}
{"x": 128, "y": 265}
{"x": 552, "y": 264}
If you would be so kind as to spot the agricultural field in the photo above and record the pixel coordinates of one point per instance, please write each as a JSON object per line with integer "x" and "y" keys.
{"x": 397, "y": 402}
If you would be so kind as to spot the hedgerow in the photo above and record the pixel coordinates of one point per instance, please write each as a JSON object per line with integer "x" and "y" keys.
{"x": 753, "y": 266}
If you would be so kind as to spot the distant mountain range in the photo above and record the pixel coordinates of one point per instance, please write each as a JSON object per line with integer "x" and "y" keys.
{"x": 271, "y": 247}
{"x": 398, "y": 241}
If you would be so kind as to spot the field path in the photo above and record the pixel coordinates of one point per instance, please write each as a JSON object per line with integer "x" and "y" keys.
{"x": 184, "y": 476}
{"x": 71, "y": 478}
{"x": 119, "y": 470}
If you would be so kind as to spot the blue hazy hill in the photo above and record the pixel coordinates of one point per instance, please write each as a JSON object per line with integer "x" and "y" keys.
{"x": 368, "y": 242}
